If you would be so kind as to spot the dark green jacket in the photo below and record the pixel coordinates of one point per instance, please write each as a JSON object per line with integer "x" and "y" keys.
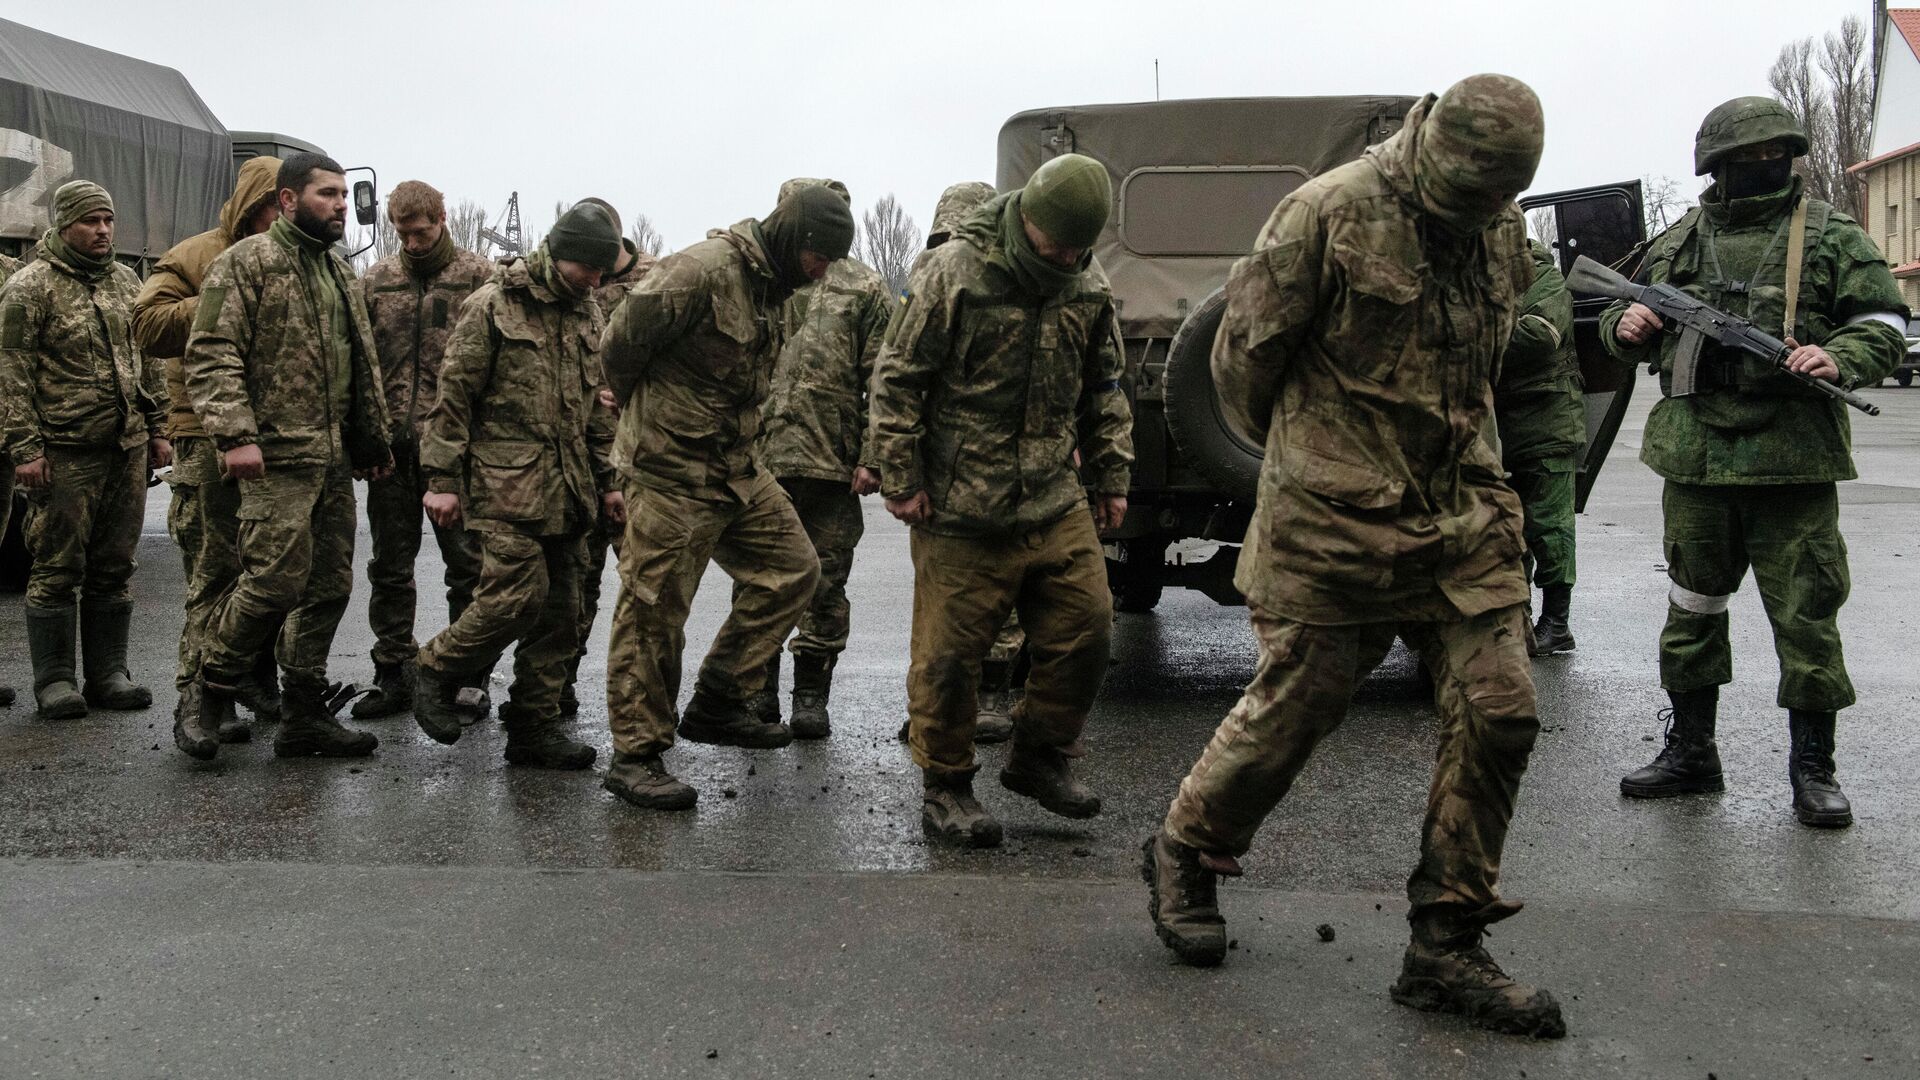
{"x": 1537, "y": 401}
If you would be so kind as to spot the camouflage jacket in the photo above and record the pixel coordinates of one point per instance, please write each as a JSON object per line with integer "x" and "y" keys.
{"x": 258, "y": 363}
{"x": 411, "y": 321}
{"x": 519, "y": 431}
{"x": 1363, "y": 358}
{"x": 816, "y": 412}
{"x": 1537, "y": 399}
{"x": 690, "y": 353}
{"x": 982, "y": 392}
{"x": 1761, "y": 427}
{"x": 615, "y": 287}
{"x": 69, "y": 369}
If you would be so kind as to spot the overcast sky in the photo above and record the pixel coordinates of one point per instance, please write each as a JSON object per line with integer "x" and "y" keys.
{"x": 693, "y": 113}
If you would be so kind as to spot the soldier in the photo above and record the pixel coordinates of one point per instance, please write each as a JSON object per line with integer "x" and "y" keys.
{"x": 1359, "y": 345}
{"x": 7, "y": 266}
{"x": 517, "y": 447}
{"x": 1542, "y": 420}
{"x": 1002, "y": 362}
{"x": 84, "y": 424}
{"x": 1751, "y": 462}
{"x": 201, "y": 516}
{"x": 282, "y": 374}
{"x": 811, "y": 440}
{"x": 414, "y": 298}
{"x": 690, "y": 353}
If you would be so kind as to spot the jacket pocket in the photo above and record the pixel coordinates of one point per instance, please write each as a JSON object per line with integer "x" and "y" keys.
{"x": 1335, "y": 520}
{"x": 1343, "y": 483}
{"x": 1374, "y": 314}
{"x": 504, "y": 483}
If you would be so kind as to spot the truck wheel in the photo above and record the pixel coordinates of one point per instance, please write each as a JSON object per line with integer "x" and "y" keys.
{"x": 1136, "y": 579}
{"x": 1904, "y": 378}
{"x": 1228, "y": 459}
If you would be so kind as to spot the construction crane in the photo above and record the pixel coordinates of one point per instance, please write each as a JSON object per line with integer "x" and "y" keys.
{"x": 508, "y": 238}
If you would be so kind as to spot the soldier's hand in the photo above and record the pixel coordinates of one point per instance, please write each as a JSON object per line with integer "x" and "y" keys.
{"x": 865, "y": 481}
{"x": 915, "y": 509}
{"x": 245, "y": 462}
{"x": 159, "y": 453}
{"x": 1812, "y": 360}
{"x": 375, "y": 474}
{"x": 614, "y": 505}
{"x": 607, "y": 399}
{"x": 34, "y": 474}
{"x": 1637, "y": 325}
{"x": 1109, "y": 511}
{"x": 443, "y": 508}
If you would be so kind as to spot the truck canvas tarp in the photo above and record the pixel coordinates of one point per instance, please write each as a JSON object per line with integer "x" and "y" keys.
{"x": 70, "y": 111}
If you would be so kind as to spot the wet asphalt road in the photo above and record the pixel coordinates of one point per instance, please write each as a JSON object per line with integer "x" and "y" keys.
{"x": 430, "y": 912}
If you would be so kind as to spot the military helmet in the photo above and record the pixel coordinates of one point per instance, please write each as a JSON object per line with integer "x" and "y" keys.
{"x": 1745, "y": 121}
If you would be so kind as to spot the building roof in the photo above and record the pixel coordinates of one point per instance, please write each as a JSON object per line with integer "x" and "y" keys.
{"x": 1891, "y": 155}
{"x": 1905, "y": 270}
{"x": 1907, "y": 21}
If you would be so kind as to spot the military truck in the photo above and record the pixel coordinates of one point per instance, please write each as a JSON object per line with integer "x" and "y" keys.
{"x": 1194, "y": 181}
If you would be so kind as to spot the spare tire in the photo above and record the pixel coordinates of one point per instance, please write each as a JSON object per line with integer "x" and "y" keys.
{"x": 1228, "y": 459}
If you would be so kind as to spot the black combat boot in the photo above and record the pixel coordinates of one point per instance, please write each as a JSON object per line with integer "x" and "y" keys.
{"x": 643, "y": 780}
{"x": 392, "y": 692}
{"x": 537, "y": 742}
{"x": 198, "y": 719}
{"x": 993, "y": 717}
{"x": 812, "y": 684}
{"x": 1817, "y": 798}
{"x": 1183, "y": 898}
{"x": 765, "y": 702}
{"x": 51, "y": 644}
{"x": 435, "y": 708}
{"x": 948, "y": 810}
{"x": 103, "y": 647}
{"x": 308, "y": 729}
{"x": 1446, "y": 969}
{"x": 1551, "y": 634}
{"x": 722, "y": 721}
{"x": 1690, "y": 761}
{"x": 1045, "y": 775}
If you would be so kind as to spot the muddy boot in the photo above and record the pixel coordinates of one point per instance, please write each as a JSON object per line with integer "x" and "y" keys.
{"x": 1446, "y": 969}
{"x": 948, "y": 810}
{"x": 721, "y": 721}
{"x": 392, "y": 692}
{"x": 103, "y": 647}
{"x": 198, "y": 718}
{"x": 1045, "y": 775}
{"x": 765, "y": 702}
{"x": 644, "y": 781}
{"x": 1182, "y": 897}
{"x": 51, "y": 645}
{"x": 993, "y": 717}
{"x": 1817, "y": 798}
{"x": 435, "y": 708}
{"x": 1690, "y": 761}
{"x": 308, "y": 729}
{"x": 812, "y": 685}
{"x": 1550, "y": 634}
{"x": 537, "y": 743}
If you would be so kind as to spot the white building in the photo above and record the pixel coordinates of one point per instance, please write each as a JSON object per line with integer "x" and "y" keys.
{"x": 1890, "y": 209}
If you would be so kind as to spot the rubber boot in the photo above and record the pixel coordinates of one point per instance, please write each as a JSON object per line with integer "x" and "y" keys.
{"x": 103, "y": 648}
{"x": 644, "y": 781}
{"x": 765, "y": 702}
{"x": 1446, "y": 969}
{"x": 197, "y": 720}
{"x": 1689, "y": 763}
{"x": 1817, "y": 798}
{"x": 1551, "y": 634}
{"x": 721, "y": 721}
{"x": 1045, "y": 775}
{"x": 948, "y": 810}
{"x": 536, "y": 742}
{"x": 434, "y": 706}
{"x": 392, "y": 692}
{"x": 308, "y": 729}
{"x": 1183, "y": 899}
{"x": 51, "y": 645}
{"x": 993, "y": 717}
{"x": 812, "y": 685}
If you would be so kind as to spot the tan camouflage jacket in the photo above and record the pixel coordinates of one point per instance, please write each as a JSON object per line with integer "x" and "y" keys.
{"x": 257, "y": 363}
{"x": 411, "y": 322}
{"x": 1364, "y": 360}
{"x": 982, "y": 393}
{"x": 615, "y": 287}
{"x": 69, "y": 370}
{"x": 816, "y": 411}
{"x": 690, "y": 353}
{"x": 519, "y": 431}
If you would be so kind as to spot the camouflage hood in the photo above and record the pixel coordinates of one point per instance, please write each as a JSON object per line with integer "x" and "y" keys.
{"x": 1396, "y": 156}
{"x": 744, "y": 237}
{"x": 957, "y": 203}
{"x": 253, "y": 187}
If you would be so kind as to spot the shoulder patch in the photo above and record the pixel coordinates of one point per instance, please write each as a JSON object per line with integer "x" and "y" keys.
{"x": 207, "y": 315}
{"x": 13, "y": 326}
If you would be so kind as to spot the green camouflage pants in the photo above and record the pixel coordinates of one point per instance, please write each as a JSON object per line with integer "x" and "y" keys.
{"x": 1546, "y": 494}
{"x": 1790, "y": 535}
{"x": 528, "y": 592}
{"x": 84, "y": 528}
{"x": 6, "y": 492}
{"x": 1299, "y": 695}
{"x": 295, "y": 544}
{"x": 203, "y": 519}
{"x": 604, "y": 535}
{"x": 830, "y": 512}
{"x": 1055, "y": 577}
{"x": 394, "y": 514}
{"x": 670, "y": 538}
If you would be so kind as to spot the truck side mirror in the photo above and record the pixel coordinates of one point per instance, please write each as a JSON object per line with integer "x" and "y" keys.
{"x": 366, "y": 207}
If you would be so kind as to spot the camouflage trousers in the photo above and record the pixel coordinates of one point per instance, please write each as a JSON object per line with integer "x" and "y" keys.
{"x": 1790, "y": 535}
{"x": 295, "y": 546}
{"x": 84, "y": 528}
{"x": 6, "y": 492}
{"x": 203, "y": 519}
{"x": 394, "y": 515}
{"x": 1299, "y": 695}
{"x": 1546, "y": 495}
{"x": 528, "y": 592}
{"x": 670, "y": 538}
{"x": 830, "y": 512}
{"x": 1055, "y": 577}
{"x": 604, "y": 536}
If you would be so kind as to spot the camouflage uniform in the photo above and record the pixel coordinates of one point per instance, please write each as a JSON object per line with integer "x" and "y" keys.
{"x": 7, "y": 267}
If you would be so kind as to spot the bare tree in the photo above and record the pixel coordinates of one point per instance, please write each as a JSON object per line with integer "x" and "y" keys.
{"x": 645, "y": 236}
{"x": 465, "y": 221}
{"x": 888, "y": 241}
{"x": 1829, "y": 88}
{"x": 1661, "y": 203}
{"x": 1544, "y": 225}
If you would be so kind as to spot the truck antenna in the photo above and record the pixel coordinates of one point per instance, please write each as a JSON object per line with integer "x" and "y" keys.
{"x": 1156, "y": 78}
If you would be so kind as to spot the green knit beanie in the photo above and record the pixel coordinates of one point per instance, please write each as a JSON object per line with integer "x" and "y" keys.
{"x": 586, "y": 235}
{"x": 1069, "y": 198}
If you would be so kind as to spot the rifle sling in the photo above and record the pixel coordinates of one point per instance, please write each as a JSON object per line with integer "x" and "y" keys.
{"x": 1796, "y": 256}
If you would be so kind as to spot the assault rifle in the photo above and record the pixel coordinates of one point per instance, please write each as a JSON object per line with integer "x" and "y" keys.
{"x": 1700, "y": 323}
